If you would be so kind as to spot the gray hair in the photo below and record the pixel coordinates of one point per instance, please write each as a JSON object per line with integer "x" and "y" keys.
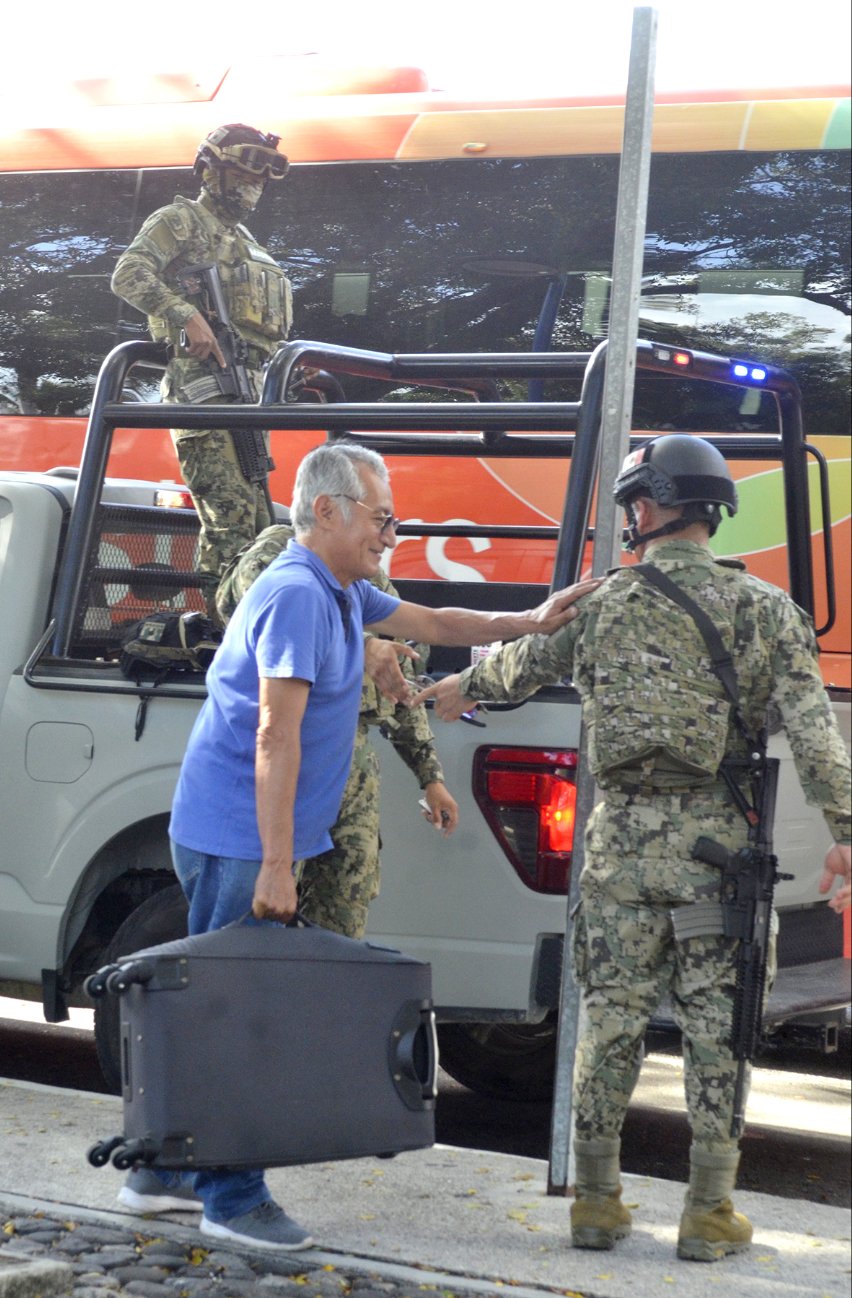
{"x": 331, "y": 470}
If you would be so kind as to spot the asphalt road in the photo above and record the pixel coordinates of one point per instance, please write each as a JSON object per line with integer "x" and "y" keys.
{"x": 796, "y": 1145}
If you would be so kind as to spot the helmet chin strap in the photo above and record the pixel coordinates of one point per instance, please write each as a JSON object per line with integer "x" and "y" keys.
{"x": 693, "y": 512}
{"x": 635, "y": 538}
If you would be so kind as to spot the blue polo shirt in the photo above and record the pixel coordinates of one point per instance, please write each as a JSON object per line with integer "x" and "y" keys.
{"x": 295, "y": 621}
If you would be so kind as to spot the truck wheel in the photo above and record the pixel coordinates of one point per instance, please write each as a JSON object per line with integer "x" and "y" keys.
{"x": 160, "y": 918}
{"x": 507, "y": 1061}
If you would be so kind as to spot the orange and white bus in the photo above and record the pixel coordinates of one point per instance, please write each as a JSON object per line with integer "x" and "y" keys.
{"x": 414, "y": 222}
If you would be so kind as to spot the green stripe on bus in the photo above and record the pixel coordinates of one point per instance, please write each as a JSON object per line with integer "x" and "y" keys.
{"x": 838, "y": 133}
{"x": 760, "y": 523}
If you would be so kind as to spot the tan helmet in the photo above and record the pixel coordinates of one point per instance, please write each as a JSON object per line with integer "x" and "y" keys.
{"x": 242, "y": 148}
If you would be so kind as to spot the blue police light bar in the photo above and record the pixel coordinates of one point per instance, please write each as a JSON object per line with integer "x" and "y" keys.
{"x": 756, "y": 373}
{"x": 664, "y": 358}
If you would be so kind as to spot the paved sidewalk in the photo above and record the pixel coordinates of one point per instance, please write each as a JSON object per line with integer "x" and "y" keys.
{"x": 452, "y": 1220}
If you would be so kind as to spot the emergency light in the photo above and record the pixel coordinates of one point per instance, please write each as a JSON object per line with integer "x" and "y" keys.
{"x": 756, "y": 373}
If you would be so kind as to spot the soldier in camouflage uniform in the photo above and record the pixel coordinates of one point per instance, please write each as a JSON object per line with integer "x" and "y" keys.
{"x": 657, "y": 725}
{"x": 336, "y": 888}
{"x": 234, "y": 163}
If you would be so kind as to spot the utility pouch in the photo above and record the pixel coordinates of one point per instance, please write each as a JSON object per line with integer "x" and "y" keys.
{"x": 163, "y": 643}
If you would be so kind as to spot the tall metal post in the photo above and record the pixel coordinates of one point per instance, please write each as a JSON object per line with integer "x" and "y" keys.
{"x": 630, "y": 220}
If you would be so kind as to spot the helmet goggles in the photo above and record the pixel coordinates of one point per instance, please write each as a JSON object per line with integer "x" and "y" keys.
{"x": 266, "y": 164}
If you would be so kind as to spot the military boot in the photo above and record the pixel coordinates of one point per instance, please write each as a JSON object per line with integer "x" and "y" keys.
{"x": 709, "y": 1227}
{"x": 598, "y": 1217}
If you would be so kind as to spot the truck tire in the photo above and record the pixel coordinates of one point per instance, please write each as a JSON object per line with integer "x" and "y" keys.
{"x": 506, "y": 1061}
{"x": 160, "y": 918}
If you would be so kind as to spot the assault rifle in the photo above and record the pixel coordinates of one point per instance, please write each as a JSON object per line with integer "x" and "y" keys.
{"x": 748, "y": 884}
{"x": 235, "y": 381}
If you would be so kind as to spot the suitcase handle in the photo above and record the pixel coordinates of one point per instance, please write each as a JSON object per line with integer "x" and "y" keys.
{"x": 414, "y": 1055}
{"x": 296, "y": 921}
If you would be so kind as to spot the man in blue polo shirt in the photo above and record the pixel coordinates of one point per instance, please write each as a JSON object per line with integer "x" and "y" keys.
{"x": 264, "y": 770}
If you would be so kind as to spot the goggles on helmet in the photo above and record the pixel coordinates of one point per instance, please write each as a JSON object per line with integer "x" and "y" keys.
{"x": 266, "y": 164}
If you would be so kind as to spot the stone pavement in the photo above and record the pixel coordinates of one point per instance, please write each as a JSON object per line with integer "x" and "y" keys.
{"x": 443, "y": 1221}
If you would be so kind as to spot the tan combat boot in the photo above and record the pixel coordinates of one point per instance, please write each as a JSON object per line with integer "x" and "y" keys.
{"x": 598, "y": 1217}
{"x": 709, "y": 1227}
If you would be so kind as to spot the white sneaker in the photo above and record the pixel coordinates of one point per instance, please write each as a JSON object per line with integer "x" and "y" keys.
{"x": 145, "y": 1191}
{"x": 266, "y": 1226}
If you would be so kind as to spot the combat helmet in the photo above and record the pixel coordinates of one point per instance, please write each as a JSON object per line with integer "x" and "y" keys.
{"x": 674, "y": 470}
{"x": 244, "y": 149}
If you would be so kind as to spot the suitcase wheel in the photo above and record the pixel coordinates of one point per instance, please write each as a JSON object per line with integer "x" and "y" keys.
{"x": 132, "y": 1152}
{"x": 95, "y": 985}
{"x": 120, "y": 977}
{"x": 98, "y": 1155}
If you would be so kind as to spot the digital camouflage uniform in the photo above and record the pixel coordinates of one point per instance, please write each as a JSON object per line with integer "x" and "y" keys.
{"x": 639, "y": 840}
{"x": 336, "y": 888}
{"x": 189, "y": 233}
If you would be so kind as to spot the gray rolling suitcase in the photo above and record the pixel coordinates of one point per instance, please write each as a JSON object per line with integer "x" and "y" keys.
{"x": 263, "y": 1046}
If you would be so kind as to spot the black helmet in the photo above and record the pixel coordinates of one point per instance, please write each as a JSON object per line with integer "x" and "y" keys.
{"x": 674, "y": 470}
{"x": 243, "y": 148}
{"x": 677, "y": 470}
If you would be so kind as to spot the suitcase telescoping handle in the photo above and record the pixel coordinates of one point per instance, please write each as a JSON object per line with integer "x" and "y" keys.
{"x": 413, "y": 1055}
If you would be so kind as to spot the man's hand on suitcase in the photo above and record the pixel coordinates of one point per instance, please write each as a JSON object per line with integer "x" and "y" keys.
{"x": 275, "y": 894}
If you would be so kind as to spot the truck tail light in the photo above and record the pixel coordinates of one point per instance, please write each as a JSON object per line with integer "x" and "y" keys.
{"x": 173, "y": 498}
{"x": 528, "y": 796}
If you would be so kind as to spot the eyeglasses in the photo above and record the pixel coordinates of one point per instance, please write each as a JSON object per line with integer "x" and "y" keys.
{"x": 383, "y": 522}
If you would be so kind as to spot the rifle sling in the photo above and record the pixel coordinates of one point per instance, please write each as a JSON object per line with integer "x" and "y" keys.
{"x": 723, "y": 668}
{"x": 720, "y": 659}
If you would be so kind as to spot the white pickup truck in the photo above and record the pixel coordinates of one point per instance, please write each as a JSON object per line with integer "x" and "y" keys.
{"x": 90, "y": 759}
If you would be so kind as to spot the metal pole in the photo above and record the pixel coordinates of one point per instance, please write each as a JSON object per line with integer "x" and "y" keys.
{"x": 615, "y": 441}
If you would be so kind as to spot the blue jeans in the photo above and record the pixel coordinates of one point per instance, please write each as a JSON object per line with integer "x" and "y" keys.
{"x": 219, "y": 889}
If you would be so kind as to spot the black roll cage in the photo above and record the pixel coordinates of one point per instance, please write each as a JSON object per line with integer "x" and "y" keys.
{"x": 484, "y": 426}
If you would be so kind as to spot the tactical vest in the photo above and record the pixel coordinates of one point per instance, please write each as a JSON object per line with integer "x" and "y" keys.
{"x": 258, "y": 293}
{"x": 657, "y": 715}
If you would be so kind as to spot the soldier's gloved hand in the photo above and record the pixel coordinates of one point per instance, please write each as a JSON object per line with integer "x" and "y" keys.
{"x": 381, "y": 663}
{"x": 201, "y": 340}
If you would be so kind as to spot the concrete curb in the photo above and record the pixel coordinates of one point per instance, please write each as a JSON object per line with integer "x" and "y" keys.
{"x": 455, "y": 1281}
{"x": 24, "y": 1277}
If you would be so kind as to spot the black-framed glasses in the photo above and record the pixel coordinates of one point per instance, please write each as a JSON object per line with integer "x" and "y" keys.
{"x": 383, "y": 522}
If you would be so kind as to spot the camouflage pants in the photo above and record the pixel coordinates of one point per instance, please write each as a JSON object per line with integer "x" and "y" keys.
{"x": 638, "y": 868}
{"x": 231, "y": 510}
{"x": 336, "y": 888}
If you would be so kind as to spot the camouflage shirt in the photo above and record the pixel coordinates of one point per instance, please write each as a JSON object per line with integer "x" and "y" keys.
{"x": 773, "y": 649}
{"x": 149, "y": 274}
{"x": 406, "y": 728}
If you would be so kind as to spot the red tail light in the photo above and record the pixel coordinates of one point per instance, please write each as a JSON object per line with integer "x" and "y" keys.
{"x": 173, "y": 498}
{"x": 528, "y": 797}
